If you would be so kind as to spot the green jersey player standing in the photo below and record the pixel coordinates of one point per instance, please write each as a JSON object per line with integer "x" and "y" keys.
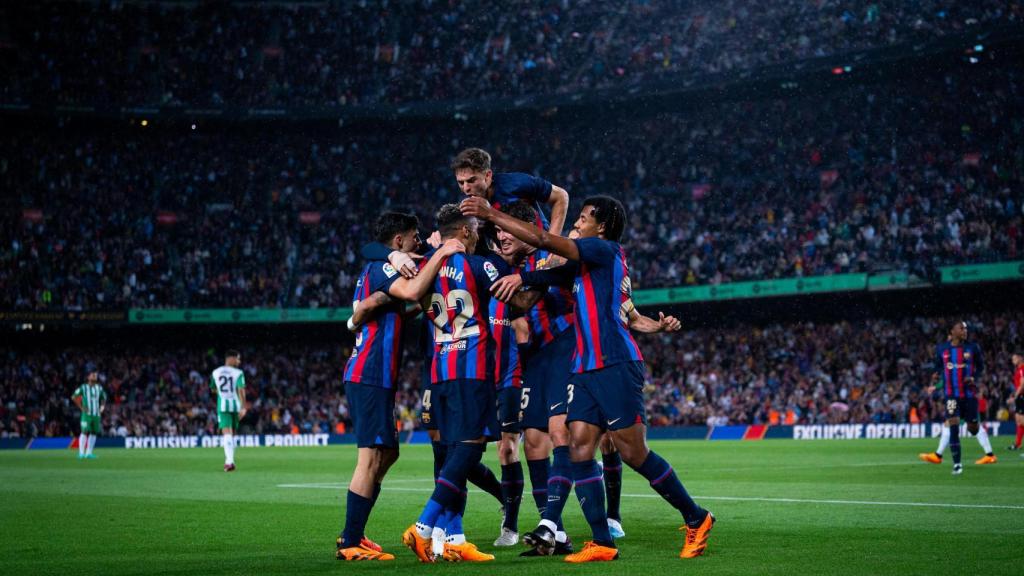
{"x": 229, "y": 383}
{"x": 90, "y": 399}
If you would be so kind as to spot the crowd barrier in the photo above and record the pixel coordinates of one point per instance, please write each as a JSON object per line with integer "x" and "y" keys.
{"x": 754, "y": 432}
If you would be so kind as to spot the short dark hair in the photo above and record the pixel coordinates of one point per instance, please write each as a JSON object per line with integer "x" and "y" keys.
{"x": 476, "y": 159}
{"x": 390, "y": 223}
{"x": 450, "y": 219}
{"x": 232, "y": 354}
{"x": 521, "y": 210}
{"x": 608, "y": 211}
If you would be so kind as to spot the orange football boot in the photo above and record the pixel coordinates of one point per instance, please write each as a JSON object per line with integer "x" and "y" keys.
{"x": 593, "y": 553}
{"x": 697, "y": 538}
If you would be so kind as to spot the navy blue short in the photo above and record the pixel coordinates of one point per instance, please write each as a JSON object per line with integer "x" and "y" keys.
{"x": 546, "y": 375}
{"x": 964, "y": 408}
{"x": 1018, "y": 405}
{"x": 611, "y": 398}
{"x": 427, "y": 420}
{"x": 465, "y": 410}
{"x": 373, "y": 415}
{"x": 510, "y": 411}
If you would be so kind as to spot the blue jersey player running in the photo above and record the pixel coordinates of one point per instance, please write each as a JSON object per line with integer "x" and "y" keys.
{"x": 371, "y": 372}
{"x": 958, "y": 363}
{"x": 605, "y": 390}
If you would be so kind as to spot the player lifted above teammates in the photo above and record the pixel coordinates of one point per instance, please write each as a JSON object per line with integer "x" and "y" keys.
{"x": 605, "y": 390}
{"x": 90, "y": 399}
{"x": 473, "y": 174}
{"x": 372, "y": 370}
{"x": 958, "y": 363}
{"x": 229, "y": 384}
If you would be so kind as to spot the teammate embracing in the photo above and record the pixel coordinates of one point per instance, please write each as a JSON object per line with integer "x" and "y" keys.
{"x": 605, "y": 389}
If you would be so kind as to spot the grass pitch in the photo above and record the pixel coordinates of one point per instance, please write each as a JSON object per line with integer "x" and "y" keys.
{"x": 783, "y": 507}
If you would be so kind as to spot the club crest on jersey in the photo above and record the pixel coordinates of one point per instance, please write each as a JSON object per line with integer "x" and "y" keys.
{"x": 491, "y": 271}
{"x": 389, "y": 270}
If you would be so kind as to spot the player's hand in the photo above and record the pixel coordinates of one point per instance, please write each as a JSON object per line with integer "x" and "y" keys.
{"x": 476, "y": 206}
{"x": 450, "y": 247}
{"x": 506, "y": 287}
{"x": 930, "y": 389}
{"x": 668, "y": 323}
{"x": 434, "y": 239}
{"x": 405, "y": 263}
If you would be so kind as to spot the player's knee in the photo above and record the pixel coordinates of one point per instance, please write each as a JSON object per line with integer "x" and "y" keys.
{"x": 973, "y": 428}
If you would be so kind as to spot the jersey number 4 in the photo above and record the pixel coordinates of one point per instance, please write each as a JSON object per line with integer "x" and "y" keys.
{"x": 458, "y": 304}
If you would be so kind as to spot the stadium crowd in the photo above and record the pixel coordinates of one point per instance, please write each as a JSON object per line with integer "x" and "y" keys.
{"x": 797, "y": 373}
{"x": 865, "y": 178}
{"x": 382, "y": 51}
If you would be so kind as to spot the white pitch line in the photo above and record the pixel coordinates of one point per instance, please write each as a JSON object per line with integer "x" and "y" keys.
{"x": 728, "y": 498}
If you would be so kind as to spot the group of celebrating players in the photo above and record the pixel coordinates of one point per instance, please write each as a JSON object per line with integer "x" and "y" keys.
{"x": 526, "y": 334}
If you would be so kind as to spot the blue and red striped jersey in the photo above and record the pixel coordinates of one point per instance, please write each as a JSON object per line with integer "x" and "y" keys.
{"x": 601, "y": 289}
{"x": 508, "y": 373}
{"x": 378, "y": 348}
{"x": 553, "y": 313}
{"x": 459, "y": 305}
{"x": 511, "y": 186}
{"x": 955, "y": 364}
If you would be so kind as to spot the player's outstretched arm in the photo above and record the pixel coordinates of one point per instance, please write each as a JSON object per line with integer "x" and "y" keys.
{"x": 559, "y": 202}
{"x": 412, "y": 289}
{"x": 648, "y": 325}
{"x": 532, "y": 235}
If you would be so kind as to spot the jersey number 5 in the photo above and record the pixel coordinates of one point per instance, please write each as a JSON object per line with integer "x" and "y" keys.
{"x": 459, "y": 302}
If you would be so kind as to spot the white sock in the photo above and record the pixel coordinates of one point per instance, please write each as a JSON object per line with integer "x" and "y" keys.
{"x": 561, "y": 536}
{"x": 423, "y": 530}
{"x": 983, "y": 439}
{"x": 549, "y": 525}
{"x": 456, "y": 539}
{"x": 437, "y": 541}
{"x": 229, "y": 449}
{"x": 943, "y": 440}
{"x": 82, "y": 441}
{"x": 91, "y": 440}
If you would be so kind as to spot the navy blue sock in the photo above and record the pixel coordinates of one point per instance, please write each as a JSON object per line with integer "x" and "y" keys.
{"x": 440, "y": 453}
{"x": 539, "y": 480}
{"x": 665, "y": 482}
{"x": 559, "y": 485}
{"x": 613, "y": 483}
{"x": 590, "y": 492}
{"x": 482, "y": 477}
{"x": 954, "y": 443}
{"x": 356, "y": 515}
{"x": 512, "y": 494}
{"x": 376, "y": 494}
{"x": 452, "y": 481}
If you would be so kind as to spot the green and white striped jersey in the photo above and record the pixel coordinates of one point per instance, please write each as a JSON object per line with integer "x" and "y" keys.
{"x": 226, "y": 381}
{"x": 92, "y": 396}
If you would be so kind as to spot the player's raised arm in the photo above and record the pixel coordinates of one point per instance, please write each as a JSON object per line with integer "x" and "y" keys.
{"x": 532, "y": 235}
{"x": 412, "y": 289}
{"x": 559, "y": 202}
